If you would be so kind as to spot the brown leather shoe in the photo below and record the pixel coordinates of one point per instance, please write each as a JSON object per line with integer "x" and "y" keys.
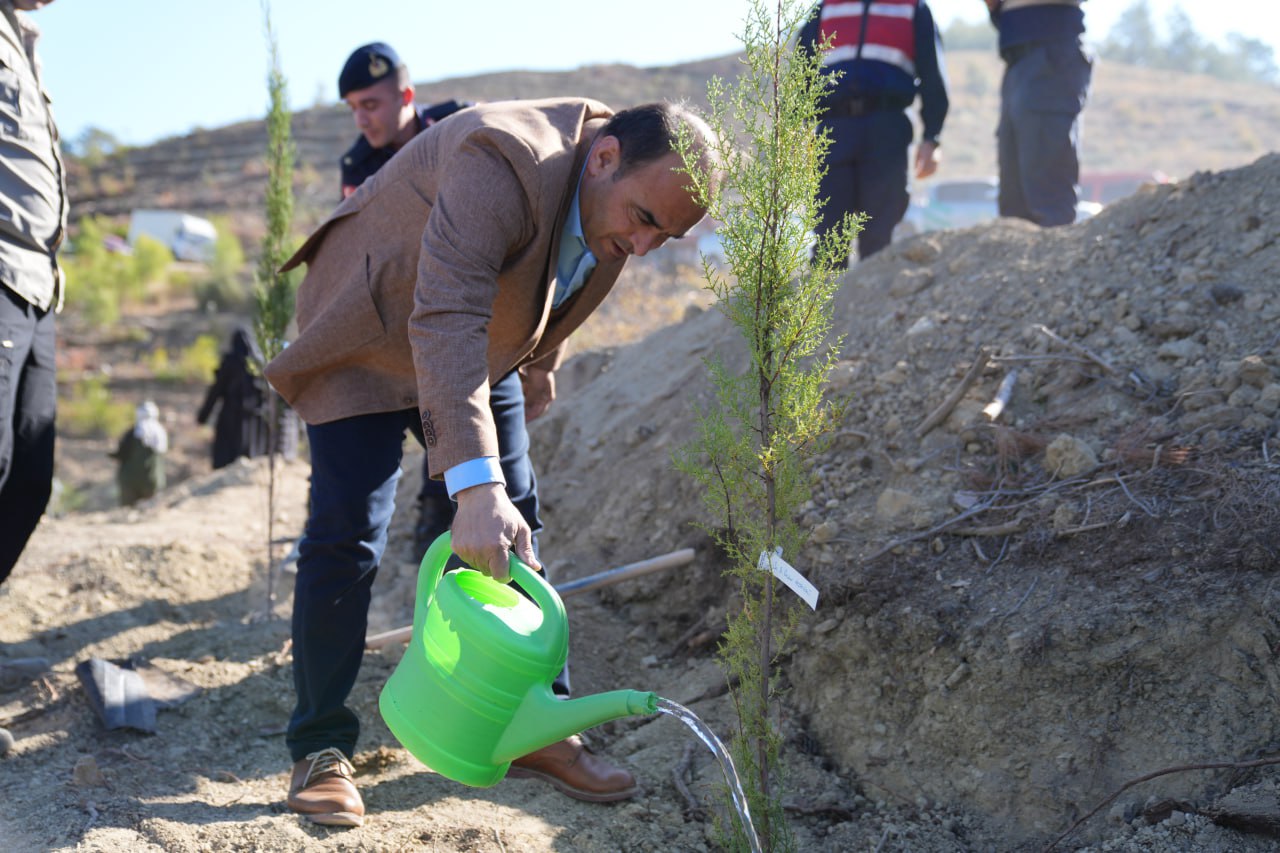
{"x": 572, "y": 770}
{"x": 321, "y": 789}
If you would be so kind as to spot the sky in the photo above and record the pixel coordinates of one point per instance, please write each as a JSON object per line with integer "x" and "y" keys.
{"x": 147, "y": 69}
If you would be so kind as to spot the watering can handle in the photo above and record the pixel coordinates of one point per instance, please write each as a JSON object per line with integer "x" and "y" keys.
{"x": 542, "y": 593}
{"x": 431, "y": 571}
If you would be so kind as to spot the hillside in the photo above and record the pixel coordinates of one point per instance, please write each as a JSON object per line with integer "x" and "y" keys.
{"x": 1021, "y": 613}
{"x": 1137, "y": 120}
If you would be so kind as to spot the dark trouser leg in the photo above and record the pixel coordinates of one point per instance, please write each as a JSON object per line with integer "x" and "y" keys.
{"x": 506, "y": 399}
{"x": 882, "y": 178}
{"x": 1010, "y": 200}
{"x": 839, "y": 187}
{"x": 1039, "y": 133}
{"x": 435, "y": 512}
{"x": 355, "y": 464}
{"x": 28, "y": 408}
{"x": 436, "y": 509}
{"x": 1050, "y": 169}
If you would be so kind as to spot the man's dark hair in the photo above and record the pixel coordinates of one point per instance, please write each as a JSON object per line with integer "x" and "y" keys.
{"x": 649, "y": 132}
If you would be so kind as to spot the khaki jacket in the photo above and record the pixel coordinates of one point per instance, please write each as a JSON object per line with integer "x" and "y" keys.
{"x": 33, "y": 194}
{"x": 434, "y": 279}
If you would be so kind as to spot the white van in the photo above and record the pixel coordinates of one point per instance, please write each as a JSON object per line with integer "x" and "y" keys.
{"x": 189, "y": 237}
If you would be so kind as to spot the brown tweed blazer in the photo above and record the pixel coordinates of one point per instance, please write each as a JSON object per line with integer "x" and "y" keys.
{"x": 432, "y": 280}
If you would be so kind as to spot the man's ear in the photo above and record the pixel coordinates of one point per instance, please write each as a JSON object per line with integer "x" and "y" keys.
{"x": 605, "y": 156}
{"x": 406, "y": 95}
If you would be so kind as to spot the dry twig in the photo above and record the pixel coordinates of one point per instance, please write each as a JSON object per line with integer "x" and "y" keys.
{"x": 1182, "y": 768}
{"x": 692, "y": 808}
{"x": 939, "y": 414}
{"x": 1083, "y": 528}
{"x": 1079, "y": 350}
{"x": 1006, "y": 529}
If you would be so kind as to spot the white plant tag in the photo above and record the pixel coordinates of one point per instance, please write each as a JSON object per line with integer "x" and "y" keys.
{"x": 790, "y": 576}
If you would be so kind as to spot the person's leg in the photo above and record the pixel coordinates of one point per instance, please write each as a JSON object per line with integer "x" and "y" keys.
{"x": 506, "y": 400}
{"x": 1010, "y": 201}
{"x": 1049, "y": 132}
{"x": 882, "y": 178}
{"x": 436, "y": 509}
{"x": 355, "y": 465}
{"x": 839, "y": 186}
{"x": 435, "y": 512}
{"x": 28, "y": 409}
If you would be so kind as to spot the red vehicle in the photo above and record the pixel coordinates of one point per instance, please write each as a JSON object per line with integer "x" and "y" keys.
{"x": 1106, "y": 187}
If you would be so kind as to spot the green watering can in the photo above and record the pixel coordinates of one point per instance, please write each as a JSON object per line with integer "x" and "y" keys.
{"x": 473, "y": 690}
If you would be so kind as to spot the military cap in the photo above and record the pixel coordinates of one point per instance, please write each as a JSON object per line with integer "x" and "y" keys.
{"x": 369, "y": 64}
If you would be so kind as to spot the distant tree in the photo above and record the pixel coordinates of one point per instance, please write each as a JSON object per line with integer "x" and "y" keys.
{"x": 1255, "y": 55}
{"x": 969, "y": 35}
{"x": 93, "y": 146}
{"x": 1133, "y": 39}
{"x": 1136, "y": 40}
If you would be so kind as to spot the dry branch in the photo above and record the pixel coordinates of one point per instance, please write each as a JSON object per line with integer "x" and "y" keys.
{"x": 1077, "y": 349}
{"x": 1007, "y": 529}
{"x": 939, "y": 414}
{"x": 693, "y": 809}
{"x": 1215, "y": 765}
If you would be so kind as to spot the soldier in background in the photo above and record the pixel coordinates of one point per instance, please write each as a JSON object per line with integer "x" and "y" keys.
{"x": 1046, "y": 81}
{"x": 885, "y": 53}
{"x": 375, "y": 84}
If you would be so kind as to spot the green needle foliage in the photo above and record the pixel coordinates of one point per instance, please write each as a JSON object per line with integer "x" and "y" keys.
{"x": 274, "y": 291}
{"x": 752, "y": 446}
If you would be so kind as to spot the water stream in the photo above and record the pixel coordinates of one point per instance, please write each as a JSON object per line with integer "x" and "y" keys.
{"x": 704, "y": 733}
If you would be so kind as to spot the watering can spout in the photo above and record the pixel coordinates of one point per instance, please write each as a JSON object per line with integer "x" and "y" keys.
{"x": 543, "y": 718}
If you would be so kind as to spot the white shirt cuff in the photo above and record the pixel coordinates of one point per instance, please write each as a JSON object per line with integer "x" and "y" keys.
{"x": 473, "y": 472}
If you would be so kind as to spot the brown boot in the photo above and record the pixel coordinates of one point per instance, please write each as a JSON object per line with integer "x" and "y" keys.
{"x": 321, "y": 789}
{"x": 572, "y": 770}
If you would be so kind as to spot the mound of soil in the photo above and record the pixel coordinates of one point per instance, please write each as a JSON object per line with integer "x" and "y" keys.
{"x": 1021, "y": 611}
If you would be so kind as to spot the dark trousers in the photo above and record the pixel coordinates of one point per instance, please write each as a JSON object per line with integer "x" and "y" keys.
{"x": 355, "y": 465}
{"x": 28, "y": 407}
{"x": 1038, "y": 137}
{"x": 867, "y": 173}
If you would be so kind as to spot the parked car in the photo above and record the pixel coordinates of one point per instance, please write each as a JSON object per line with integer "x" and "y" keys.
{"x": 959, "y": 204}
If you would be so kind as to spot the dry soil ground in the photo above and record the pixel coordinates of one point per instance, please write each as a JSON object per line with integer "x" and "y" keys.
{"x": 1019, "y": 614}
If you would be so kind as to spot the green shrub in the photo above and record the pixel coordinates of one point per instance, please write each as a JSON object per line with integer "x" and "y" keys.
{"x": 151, "y": 260}
{"x": 196, "y": 363}
{"x": 100, "y": 282}
{"x": 91, "y": 413}
{"x": 223, "y": 287}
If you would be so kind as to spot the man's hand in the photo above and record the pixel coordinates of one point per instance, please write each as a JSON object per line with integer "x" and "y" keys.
{"x": 487, "y": 527}
{"x": 539, "y": 391}
{"x": 927, "y": 158}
